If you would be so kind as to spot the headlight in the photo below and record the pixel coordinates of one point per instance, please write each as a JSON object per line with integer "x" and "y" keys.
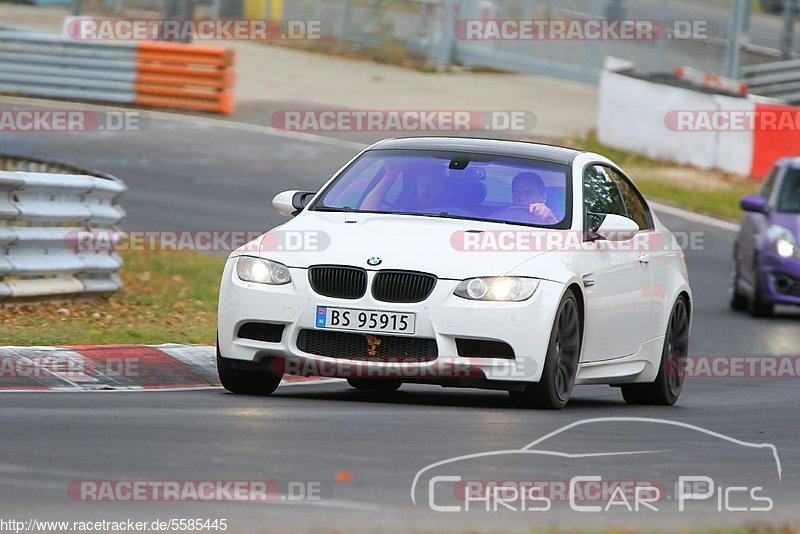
{"x": 782, "y": 241}
{"x": 262, "y": 271}
{"x": 497, "y": 288}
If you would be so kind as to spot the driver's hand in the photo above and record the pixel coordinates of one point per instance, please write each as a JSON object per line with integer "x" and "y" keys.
{"x": 543, "y": 212}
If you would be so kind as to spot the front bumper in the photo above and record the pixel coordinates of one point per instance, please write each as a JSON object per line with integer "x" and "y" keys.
{"x": 524, "y": 326}
{"x": 781, "y": 279}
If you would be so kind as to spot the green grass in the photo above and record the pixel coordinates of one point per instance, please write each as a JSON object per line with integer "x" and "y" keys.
{"x": 721, "y": 200}
{"x": 167, "y": 297}
{"x": 723, "y": 204}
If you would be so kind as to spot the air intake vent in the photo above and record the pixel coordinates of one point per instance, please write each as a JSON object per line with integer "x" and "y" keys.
{"x": 343, "y": 345}
{"x": 338, "y": 281}
{"x": 402, "y": 286}
{"x": 268, "y": 332}
{"x": 484, "y": 348}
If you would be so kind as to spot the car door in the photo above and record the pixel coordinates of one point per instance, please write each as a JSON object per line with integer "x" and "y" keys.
{"x": 616, "y": 276}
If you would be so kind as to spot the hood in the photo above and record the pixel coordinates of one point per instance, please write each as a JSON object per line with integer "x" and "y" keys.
{"x": 791, "y": 221}
{"x": 428, "y": 244}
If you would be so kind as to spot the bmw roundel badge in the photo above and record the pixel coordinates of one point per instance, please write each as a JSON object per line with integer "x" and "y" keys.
{"x": 374, "y": 260}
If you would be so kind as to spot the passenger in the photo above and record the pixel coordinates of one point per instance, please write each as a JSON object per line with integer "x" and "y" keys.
{"x": 529, "y": 194}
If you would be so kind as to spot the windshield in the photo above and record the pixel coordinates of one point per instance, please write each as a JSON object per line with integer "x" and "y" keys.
{"x": 453, "y": 184}
{"x": 789, "y": 200}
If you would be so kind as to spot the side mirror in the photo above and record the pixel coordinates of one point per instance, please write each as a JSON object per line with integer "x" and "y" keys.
{"x": 754, "y": 203}
{"x": 612, "y": 227}
{"x": 290, "y": 203}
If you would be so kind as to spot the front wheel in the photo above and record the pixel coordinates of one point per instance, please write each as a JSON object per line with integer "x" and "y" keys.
{"x": 246, "y": 382}
{"x": 736, "y": 299}
{"x": 668, "y": 384}
{"x": 554, "y": 389}
{"x": 758, "y": 306}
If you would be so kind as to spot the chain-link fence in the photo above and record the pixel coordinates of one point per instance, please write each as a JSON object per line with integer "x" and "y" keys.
{"x": 711, "y": 35}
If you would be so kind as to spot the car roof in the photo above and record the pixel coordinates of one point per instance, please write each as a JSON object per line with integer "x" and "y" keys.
{"x": 792, "y": 162}
{"x": 548, "y": 153}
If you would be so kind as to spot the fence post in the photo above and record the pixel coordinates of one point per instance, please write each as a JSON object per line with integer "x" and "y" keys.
{"x": 787, "y": 37}
{"x": 661, "y": 44}
{"x": 444, "y": 53}
{"x": 527, "y": 9}
{"x": 733, "y": 50}
{"x": 615, "y": 10}
{"x": 345, "y": 19}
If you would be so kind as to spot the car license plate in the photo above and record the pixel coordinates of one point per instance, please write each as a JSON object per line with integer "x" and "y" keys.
{"x": 365, "y": 320}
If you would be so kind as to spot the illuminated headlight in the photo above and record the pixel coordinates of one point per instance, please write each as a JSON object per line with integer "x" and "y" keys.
{"x": 262, "y": 271}
{"x": 497, "y": 288}
{"x": 783, "y": 241}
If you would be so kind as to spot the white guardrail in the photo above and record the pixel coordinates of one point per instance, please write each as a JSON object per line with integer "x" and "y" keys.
{"x": 44, "y": 207}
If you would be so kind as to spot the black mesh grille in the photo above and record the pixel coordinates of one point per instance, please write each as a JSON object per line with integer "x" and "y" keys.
{"x": 347, "y": 346}
{"x": 338, "y": 282}
{"x": 402, "y": 286}
{"x": 787, "y": 285}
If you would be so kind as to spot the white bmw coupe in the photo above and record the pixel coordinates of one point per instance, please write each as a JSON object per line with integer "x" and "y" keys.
{"x": 462, "y": 262}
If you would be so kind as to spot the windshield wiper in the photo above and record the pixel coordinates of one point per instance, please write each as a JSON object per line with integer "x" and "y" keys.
{"x": 345, "y": 209}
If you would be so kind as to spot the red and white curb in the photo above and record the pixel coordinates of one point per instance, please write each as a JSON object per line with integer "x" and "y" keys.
{"x": 115, "y": 367}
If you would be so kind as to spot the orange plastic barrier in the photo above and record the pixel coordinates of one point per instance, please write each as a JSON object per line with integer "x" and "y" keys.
{"x": 184, "y": 76}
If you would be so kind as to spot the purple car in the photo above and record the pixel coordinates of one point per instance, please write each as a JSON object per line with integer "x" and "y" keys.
{"x": 766, "y": 258}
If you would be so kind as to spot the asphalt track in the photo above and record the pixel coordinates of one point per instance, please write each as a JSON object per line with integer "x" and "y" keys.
{"x": 364, "y": 449}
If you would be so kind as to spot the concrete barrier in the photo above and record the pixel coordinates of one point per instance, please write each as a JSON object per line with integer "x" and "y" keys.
{"x": 709, "y": 131}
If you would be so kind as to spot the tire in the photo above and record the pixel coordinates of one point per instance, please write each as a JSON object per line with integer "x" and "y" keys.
{"x": 757, "y": 307}
{"x": 246, "y": 382}
{"x": 375, "y": 384}
{"x": 736, "y": 300}
{"x": 554, "y": 389}
{"x": 666, "y": 388}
